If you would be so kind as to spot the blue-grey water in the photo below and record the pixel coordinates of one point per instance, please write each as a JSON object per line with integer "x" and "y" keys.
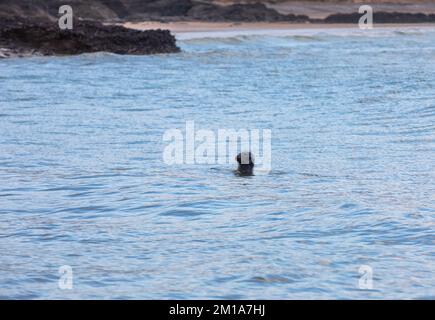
{"x": 83, "y": 183}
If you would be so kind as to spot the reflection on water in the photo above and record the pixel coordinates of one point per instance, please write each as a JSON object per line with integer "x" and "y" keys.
{"x": 83, "y": 182}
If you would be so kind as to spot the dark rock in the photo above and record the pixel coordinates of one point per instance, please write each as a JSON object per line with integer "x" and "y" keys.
{"x": 135, "y": 10}
{"x": 101, "y": 10}
{"x": 241, "y": 13}
{"x": 181, "y": 10}
{"x": 163, "y": 8}
{"x": 381, "y": 17}
{"x": 45, "y": 38}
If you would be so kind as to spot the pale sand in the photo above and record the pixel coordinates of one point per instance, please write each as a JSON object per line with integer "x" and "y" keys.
{"x": 195, "y": 26}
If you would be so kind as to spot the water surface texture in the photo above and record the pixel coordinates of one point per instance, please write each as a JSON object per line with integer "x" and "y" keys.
{"x": 352, "y": 114}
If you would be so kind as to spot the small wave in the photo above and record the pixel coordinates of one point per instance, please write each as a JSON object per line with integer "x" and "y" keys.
{"x": 207, "y": 40}
{"x": 408, "y": 32}
{"x": 238, "y": 36}
{"x": 300, "y": 35}
{"x": 271, "y": 279}
{"x": 183, "y": 213}
{"x": 306, "y": 38}
{"x": 241, "y": 39}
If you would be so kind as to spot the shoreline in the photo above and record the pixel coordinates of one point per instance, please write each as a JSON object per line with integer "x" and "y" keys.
{"x": 182, "y": 27}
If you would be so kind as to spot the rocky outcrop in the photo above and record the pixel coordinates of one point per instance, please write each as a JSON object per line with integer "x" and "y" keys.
{"x": 140, "y": 10}
{"x": 21, "y": 37}
{"x": 101, "y": 10}
{"x": 381, "y": 17}
{"x": 175, "y": 10}
{"x": 241, "y": 13}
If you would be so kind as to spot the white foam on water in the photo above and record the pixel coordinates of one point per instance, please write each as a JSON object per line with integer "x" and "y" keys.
{"x": 315, "y": 31}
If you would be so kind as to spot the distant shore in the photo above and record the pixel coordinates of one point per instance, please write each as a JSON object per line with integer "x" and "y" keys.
{"x": 278, "y": 11}
{"x": 318, "y": 9}
{"x": 199, "y": 26}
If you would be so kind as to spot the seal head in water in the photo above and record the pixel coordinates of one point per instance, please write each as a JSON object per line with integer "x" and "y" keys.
{"x": 246, "y": 164}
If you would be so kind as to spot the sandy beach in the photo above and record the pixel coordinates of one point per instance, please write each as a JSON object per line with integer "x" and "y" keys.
{"x": 197, "y": 26}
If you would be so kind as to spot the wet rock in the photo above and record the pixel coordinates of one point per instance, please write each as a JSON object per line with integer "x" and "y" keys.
{"x": 45, "y": 38}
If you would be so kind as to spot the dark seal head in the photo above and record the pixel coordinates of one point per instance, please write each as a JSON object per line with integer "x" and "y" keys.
{"x": 246, "y": 164}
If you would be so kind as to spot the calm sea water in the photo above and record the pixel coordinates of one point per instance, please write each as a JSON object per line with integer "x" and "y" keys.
{"x": 352, "y": 114}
